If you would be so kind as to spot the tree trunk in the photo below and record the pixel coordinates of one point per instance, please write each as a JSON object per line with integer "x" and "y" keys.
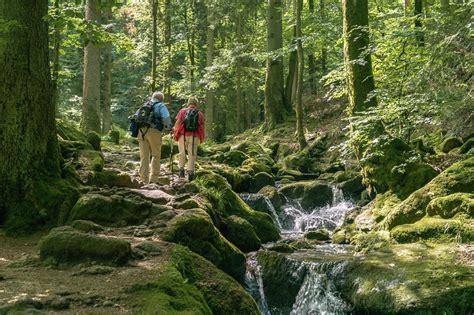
{"x": 324, "y": 51}
{"x": 154, "y": 14}
{"x": 55, "y": 61}
{"x": 239, "y": 73}
{"x": 29, "y": 148}
{"x": 360, "y": 80}
{"x": 107, "y": 76}
{"x": 274, "y": 91}
{"x": 299, "y": 89}
{"x": 311, "y": 62}
{"x": 210, "y": 126}
{"x": 291, "y": 78}
{"x": 91, "y": 85}
{"x": 168, "y": 8}
{"x": 418, "y": 8}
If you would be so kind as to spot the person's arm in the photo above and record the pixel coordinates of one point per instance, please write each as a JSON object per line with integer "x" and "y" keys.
{"x": 165, "y": 116}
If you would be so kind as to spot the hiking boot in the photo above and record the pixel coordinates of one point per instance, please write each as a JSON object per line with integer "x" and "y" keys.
{"x": 190, "y": 176}
{"x": 181, "y": 173}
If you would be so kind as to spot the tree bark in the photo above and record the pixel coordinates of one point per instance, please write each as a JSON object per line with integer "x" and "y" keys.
{"x": 360, "y": 80}
{"x": 107, "y": 76}
{"x": 418, "y": 8}
{"x": 291, "y": 78}
{"x": 154, "y": 15}
{"x": 311, "y": 62}
{"x": 168, "y": 8}
{"x": 55, "y": 57}
{"x": 29, "y": 148}
{"x": 299, "y": 89}
{"x": 239, "y": 73}
{"x": 210, "y": 126}
{"x": 91, "y": 84}
{"x": 324, "y": 51}
{"x": 274, "y": 91}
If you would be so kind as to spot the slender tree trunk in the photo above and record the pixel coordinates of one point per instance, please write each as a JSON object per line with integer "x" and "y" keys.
{"x": 190, "y": 41}
{"x": 274, "y": 91}
{"x": 56, "y": 50}
{"x": 168, "y": 50}
{"x": 107, "y": 76}
{"x": 291, "y": 78}
{"x": 360, "y": 80}
{"x": 210, "y": 126}
{"x": 29, "y": 148}
{"x": 299, "y": 90}
{"x": 239, "y": 73}
{"x": 311, "y": 62}
{"x": 91, "y": 85}
{"x": 154, "y": 14}
{"x": 324, "y": 51}
{"x": 418, "y": 8}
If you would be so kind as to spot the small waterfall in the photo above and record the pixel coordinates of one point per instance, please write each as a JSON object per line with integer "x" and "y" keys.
{"x": 254, "y": 283}
{"x": 253, "y": 199}
{"x": 318, "y": 293}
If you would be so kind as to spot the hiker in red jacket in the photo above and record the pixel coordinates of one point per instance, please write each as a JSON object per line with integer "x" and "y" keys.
{"x": 189, "y": 132}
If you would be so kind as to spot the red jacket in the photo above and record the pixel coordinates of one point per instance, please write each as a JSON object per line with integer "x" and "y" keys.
{"x": 179, "y": 126}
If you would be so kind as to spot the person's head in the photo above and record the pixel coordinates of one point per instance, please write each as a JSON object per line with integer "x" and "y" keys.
{"x": 192, "y": 100}
{"x": 158, "y": 97}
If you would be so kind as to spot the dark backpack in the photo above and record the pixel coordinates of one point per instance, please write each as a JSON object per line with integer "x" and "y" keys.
{"x": 191, "y": 120}
{"x": 145, "y": 116}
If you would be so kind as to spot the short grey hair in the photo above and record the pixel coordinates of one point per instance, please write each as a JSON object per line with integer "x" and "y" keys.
{"x": 158, "y": 96}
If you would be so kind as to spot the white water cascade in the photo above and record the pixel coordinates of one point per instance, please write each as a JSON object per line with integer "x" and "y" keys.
{"x": 318, "y": 293}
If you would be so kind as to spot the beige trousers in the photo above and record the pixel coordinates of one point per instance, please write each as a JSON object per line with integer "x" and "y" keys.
{"x": 150, "y": 146}
{"x": 185, "y": 144}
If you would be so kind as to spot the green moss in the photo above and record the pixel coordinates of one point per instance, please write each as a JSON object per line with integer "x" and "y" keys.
{"x": 170, "y": 294}
{"x": 86, "y": 226}
{"x": 452, "y": 205}
{"x": 450, "y": 143}
{"x": 94, "y": 139}
{"x": 235, "y": 158}
{"x": 225, "y": 203}
{"x": 91, "y": 160}
{"x": 319, "y": 235}
{"x": 467, "y": 146}
{"x": 195, "y": 229}
{"x": 457, "y": 178}
{"x": 383, "y": 204}
{"x": 111, "y": 178}
{"x": 66, "y": 245}
{"x": 312, "y": 193}
{"x": 241, "y": 233}
{"x": 261, "y": 180}
{"x": 223, "y": 294}
{"x": 339, "y": 237}
{"x": 253, "y": 166}
{"x": 434, "y": 229}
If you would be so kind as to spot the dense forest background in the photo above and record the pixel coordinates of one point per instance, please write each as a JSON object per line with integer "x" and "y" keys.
{"x": 217, "y": 50}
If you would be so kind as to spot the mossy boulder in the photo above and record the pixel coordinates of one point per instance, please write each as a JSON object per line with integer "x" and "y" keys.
{"x": 115, "y": 210}
{"x": 91, "y": 160}
{"x": 394, "y": 167}
{"x": 253, "y": 166}
{"x": 276, "y": 198}
{"x": 352, "y": 188}
{"x": 112, "y": 178}
{"x": 457, "y": 178}
{"x": 195, "y": 229}
{"x": 224, "y": 202}
{"x": 261, "y": 180}
{"x": 250, "y": 148}
{"x": 235, "y": 158}
{"x": 467, "y": 146}
{"x": 114, "y": 136}
{"x": 452, "y": 205}
{"x": 86, "y": 226}
{"x": 318, "y": 234}
{"x": 434, "y": 229}
{"x": 67, "y": 245}
{"x": 94, "y": 139}
{"x": 311, "y": 193}
{"x": 451, "y": 143}
{"x": 339, "y": 237}
{"x": 241, "y": 233}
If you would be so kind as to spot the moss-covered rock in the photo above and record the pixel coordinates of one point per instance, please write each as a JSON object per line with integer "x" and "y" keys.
{"x": 235, "y": 158}
{"x": 318, "y": 234}
{"x": 261, "y": 180}
{"x": 450, "y": 143}
{"x": 467, "y": 146}
{"x": 434, "y": 229}
{"x": 352, "y": 188}
{"x": 339, "y": 237}
{"x": 254, "y": 166}
{"x": 115, "y": 210}
{"x": 195, "y": 229}
{"x": 452, "y": 205}
{"x": 222, "y": 293}
{"x": 114, "y": 136}
{"x": 312, "y": 193}
{"x": 457, "y": 178}
{"x": 86, "y": 226}
{"x": 224, "y": 203}
{"x": 276, "y": 198}
{"x": 112, "y": 178}
{"x": 241, "y": 233}
{"x": 94, "y": 139}
{"x": 91, "y": 160}
{"x": 67, "y": 245}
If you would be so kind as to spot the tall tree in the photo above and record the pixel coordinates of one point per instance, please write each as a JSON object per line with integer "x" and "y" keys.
{"x": 299, "y": 89}
{"x": 418, "y": 8}
{"x": 324, "y": 50}
{"x": 168, "y": 44}
{"x": 238, "y": 71}
{"x": 154, "y": 48}
{"x": 357, "y": 58}
{"x": 311, "y": 62}
{"x": 29, "y": 148}
{"x": 55, "y": 55}
{"x": 274, "y": 91}
{"x": 210, "y": 125}
{"x": 107, "y": 76}
{"x": 91, "y": 84}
